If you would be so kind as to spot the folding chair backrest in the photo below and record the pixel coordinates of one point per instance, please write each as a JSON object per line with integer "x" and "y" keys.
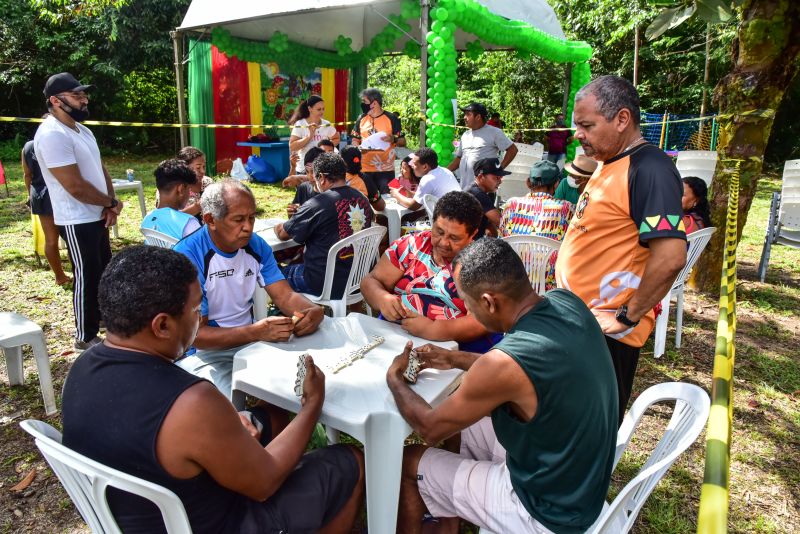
{"x": 365, "y": 245}
{"x": 429, "y": 203}
{"x": 697, "y": 242}
{"x": 689, "y": 417}
{"x": 789, "y": 212}
{"x": 158, "y": 239}
{"x": 536, "y": 253}
{"x": 86, "y": 482}
{"x": 700, "y": 163}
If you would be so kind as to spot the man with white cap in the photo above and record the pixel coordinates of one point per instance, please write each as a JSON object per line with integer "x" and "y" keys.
{"x": 83, "y": 199}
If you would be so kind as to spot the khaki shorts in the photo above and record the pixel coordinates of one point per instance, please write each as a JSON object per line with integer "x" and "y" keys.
{"x": 474, "y": 485}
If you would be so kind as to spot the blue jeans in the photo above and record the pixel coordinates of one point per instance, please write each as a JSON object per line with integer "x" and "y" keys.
{"x": 294, "y": 275}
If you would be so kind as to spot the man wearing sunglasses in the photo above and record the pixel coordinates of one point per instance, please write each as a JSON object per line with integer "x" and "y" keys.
{"x": 83, "y": 199}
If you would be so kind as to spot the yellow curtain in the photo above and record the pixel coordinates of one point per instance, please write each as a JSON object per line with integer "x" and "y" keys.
{"x": 254, "y": 81}
{"x": 329, "y": 93}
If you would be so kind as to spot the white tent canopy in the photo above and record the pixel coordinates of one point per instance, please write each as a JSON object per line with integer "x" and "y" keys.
{"x": 317, "y": 23}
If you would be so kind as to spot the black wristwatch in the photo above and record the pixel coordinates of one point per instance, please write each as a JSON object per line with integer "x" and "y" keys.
{"x": 622, "y": 316}
{"x": 114, "y": 203}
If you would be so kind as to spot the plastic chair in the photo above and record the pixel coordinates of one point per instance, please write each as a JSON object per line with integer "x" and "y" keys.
{"x": 365, "y": 253}
{"x": 157, "y": 239}
{"x": 429, "y": 203}
{"x": 697, "y": 242}
{"x": 700, "y": 163}
{"x": 15, "y": 331}
{"x": 535, "y": 253}
{"x": 535, "y": 150}
{"x": 783, "y": 226}
{"x": 689, "y": 417}
{"x": 513, "y": 185}
{"x": 526, "y": 160}
{"x": 86, "y": 481}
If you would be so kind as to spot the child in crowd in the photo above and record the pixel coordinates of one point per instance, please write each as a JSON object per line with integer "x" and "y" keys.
{"x": 195, "y": 160}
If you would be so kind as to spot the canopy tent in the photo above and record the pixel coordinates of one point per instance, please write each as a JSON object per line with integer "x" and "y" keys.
{"x": 348, "y": 35}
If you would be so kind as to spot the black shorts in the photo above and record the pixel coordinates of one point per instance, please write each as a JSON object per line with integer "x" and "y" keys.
{"x": 625, "y": 359}
{"x": 381, "y": 180}
{"x": 40, "y": 202}
{"x": 310, "y": 498}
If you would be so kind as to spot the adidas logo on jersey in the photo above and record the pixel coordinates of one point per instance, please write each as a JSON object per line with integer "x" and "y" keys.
{"x": 248, "y": 273}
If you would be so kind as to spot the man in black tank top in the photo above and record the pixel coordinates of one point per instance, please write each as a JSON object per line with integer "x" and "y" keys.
{"x": 127, "y": 405}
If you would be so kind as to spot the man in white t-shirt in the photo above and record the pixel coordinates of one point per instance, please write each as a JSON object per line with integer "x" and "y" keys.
{"x": 81, "y": 193}
{"x": 433, "y": 179}
{"x": 479, "y": 142}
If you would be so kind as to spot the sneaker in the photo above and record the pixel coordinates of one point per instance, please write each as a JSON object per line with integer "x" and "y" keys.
{"x": 81, "y": 346}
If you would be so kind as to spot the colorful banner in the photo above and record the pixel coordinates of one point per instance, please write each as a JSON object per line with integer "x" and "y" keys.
{"x": 231, "y": 103}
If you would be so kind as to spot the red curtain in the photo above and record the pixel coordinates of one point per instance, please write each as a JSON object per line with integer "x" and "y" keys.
{"x": 341, "y": 78}
{"x": 231, "y": 104}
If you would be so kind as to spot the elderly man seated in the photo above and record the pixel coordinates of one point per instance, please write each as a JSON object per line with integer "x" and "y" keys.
{"x": 433, "y": 179}
{"x": 338, "y": 211}
{"x": 412, "y": 283}
{"x": 127, "y": 406}
{"x": 231, "y": 262}
{"x": 542, "y": 462}
{"x": 173, "y": 180}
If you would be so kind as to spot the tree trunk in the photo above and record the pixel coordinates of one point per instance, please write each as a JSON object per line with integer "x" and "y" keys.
{"x": 764, "y": 56}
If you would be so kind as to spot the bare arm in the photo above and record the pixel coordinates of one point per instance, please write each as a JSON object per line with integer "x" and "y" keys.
{"x": 403, "y": 200}
{"x": 494, "y": 221}
{"x": 27, "y": 175}
{"x": 509, "y": 156}
{"x": 282, "y": 234}
{"x": 493, "y": 379}
{"x": 221, "y": 337}
{"x": 453, "y": 167}
{"x": 296, "y": 143}
{"x": 69, "y": 176}
{"x": 460, "y": 329}
{"x": 291, "y": 302}
{"x": 378, "y": 290}
{"x": 401, "y": 141}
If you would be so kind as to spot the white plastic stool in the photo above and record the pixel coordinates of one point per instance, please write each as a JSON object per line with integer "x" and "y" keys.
{"x": 15, "y": 331}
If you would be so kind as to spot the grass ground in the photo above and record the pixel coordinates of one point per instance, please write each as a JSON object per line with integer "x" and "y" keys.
{"x": 765, "y": 470}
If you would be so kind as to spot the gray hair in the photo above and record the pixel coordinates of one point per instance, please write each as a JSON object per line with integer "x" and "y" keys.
{"x": 613, "y": 94}
{"x": 372, "y": 94}
{"x": 213, "y": 199}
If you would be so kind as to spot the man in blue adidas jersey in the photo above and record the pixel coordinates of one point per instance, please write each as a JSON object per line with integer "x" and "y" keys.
{"x": 232, "y": 262}
{"x": 173, "y": 179}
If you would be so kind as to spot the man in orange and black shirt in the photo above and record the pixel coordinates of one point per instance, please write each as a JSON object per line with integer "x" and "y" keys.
{"x": 626, "y": 243}
{"x": 377, "y": 164}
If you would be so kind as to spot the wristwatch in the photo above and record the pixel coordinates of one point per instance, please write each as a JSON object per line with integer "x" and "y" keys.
{"x": 622, "y": 316}
{"x": 114, "y": 203}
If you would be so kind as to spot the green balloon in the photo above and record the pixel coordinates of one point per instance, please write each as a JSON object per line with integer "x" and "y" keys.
{"x": 438, "y": 42}
{"x": 442, "y": 14}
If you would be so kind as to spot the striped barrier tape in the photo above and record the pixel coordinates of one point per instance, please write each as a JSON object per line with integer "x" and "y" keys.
{"x": 167, "y": 124}
{"x": 715, "y": 493}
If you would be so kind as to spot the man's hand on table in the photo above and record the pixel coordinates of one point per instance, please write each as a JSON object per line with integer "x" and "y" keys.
{"x": 399, "y": 364}
{"x": 313, "y": 386}
{"x": 418, "y": 325}
{"x": 433, "y": 357}
{"x": 310, "y": 319}
{"x": 274, "y": 328}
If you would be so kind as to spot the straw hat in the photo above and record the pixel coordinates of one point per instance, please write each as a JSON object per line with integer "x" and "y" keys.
{"x": 581, "y": 167}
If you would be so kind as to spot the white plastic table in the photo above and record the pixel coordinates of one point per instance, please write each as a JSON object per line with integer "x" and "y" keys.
{"x": 125, "y": 185}
{"x": 394, "y": 212}
{"x": 357, "y": 399}
{"x": 264, "y": 228}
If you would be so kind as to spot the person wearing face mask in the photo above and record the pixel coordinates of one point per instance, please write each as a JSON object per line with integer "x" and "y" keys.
{"x": 557, "y": 140}
{"x": 579, "y": 171}
{"x": 83, "y": 200}
{"x": 310, "y": 129}
{"x": 377, "y": 164}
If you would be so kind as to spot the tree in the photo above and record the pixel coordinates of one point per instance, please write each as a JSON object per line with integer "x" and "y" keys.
{"x": 765, "y": 60}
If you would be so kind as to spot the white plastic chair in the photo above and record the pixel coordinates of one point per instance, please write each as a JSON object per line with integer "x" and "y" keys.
{"x": 519, "y": 168}
{"x": 525, "y": 160}
{"x": 15, "y": 331}
{"x": 689, "y": 417}
{"x": 86, "y": 481}
{"x": 365, "y": 253}
{"x": 783, "y": 226}
{"x": 429, "y": 203}
{"x": 697, "y": 242}
{"x": 535, "y": 150}
{"x": 700, "y": 163}
{"x": 158, "y": 239}
{"x": 513, "y": 185}
{"x": 535, "y": 253}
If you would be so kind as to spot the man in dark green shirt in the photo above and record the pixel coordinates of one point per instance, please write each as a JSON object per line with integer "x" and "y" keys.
{"x": 537, "y": 414}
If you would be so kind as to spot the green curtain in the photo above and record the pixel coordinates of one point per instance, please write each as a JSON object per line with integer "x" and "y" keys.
{"x": 201, "y": 101}
{"x": 358, "y": 82}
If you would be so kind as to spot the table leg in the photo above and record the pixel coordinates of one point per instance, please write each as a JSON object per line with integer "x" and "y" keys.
{"x": 393, "y": 218}
{"x": 383, "y": 453}
{"x": 142, "y": 206}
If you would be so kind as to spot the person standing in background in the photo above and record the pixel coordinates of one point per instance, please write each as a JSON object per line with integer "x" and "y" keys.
{"x": 310, "y": 129}
{"x": 557, "y": 140}
{"x": 84, "y": 205}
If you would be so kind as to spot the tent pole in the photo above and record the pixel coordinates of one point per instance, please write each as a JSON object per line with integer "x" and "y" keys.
{"x": 177, "y": 41}
{"x": 423, "y": 78}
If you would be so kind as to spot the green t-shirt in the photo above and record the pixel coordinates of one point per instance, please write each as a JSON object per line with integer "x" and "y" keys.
{"x": 564, "y": 191}
{"x": 560, "y": 461}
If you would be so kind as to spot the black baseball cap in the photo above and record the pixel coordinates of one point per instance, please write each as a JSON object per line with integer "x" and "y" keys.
{"x": 63, "y": 82}
{"x": 489, "y": 166}
{"x": 476, "y": 107}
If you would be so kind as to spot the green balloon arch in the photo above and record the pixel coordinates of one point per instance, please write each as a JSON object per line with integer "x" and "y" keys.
{"x": 447, "y": 16}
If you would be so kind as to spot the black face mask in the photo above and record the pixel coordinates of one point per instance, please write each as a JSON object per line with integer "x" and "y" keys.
{"x": 78, "y": 115}
{"x": 365, "y": 107}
